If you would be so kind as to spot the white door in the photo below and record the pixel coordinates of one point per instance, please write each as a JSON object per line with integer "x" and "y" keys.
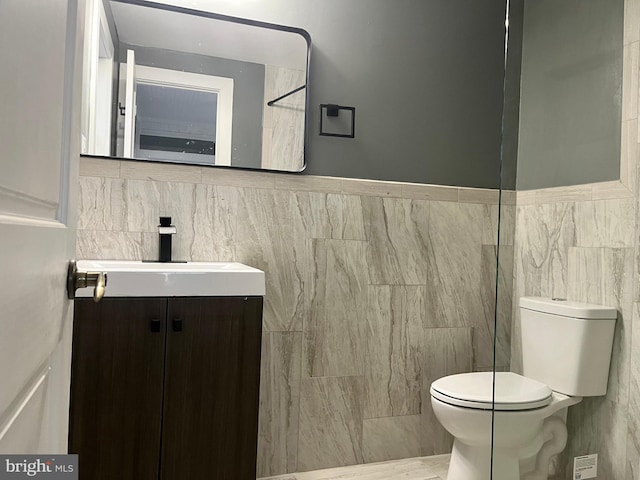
{"x": 39, "y": 147}
{"x": 130, "y": 106}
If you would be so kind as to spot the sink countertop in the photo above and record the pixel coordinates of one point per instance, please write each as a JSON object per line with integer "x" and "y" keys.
{"x": 134, "y": 278}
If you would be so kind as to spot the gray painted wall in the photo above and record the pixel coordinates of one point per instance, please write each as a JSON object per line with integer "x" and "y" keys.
{"x": 570, "y": 110}
{"x": 426, "y": 78}
{"x": 248, "y": 94}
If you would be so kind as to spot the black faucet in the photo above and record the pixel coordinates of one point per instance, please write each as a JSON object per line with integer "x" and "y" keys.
{"x": 166, "y": 231}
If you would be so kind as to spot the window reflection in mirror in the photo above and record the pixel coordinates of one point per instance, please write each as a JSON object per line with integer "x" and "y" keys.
{"x": 155, "y": 55}
{"x": 175, "y": 123}
{"x": 179, "y": 106}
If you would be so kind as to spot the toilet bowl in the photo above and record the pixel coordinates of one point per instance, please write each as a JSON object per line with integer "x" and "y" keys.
{"x": 502, "y": 421}
{"x": 523, "y": 418}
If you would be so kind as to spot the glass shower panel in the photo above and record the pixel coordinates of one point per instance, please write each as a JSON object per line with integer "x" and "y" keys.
{"x": 504, "y": 464}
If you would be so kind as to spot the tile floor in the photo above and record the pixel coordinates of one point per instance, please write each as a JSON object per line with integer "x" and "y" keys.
{"x": 421, "y": 468}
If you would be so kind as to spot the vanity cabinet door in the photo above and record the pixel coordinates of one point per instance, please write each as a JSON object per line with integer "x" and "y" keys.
{"x": 212, "y": 377}
{"x": 116, "y": 387}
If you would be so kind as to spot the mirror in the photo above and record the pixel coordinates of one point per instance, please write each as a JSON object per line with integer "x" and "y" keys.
{"x": 171, "y": 84}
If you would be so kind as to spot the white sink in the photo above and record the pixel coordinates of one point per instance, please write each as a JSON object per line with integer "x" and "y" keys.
{"x": 192, "y": 279}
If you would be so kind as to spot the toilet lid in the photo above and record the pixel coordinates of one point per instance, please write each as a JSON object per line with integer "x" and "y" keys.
{"x": 475, "y": 390}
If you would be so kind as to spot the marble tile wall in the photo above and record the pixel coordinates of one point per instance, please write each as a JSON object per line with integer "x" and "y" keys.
{"x": 553, "y": 258}
{"x": 581, "y": 243}
{"x": 374, "y": 290}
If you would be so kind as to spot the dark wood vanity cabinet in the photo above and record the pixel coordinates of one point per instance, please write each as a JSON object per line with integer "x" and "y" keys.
{"x": 166, "y": 388}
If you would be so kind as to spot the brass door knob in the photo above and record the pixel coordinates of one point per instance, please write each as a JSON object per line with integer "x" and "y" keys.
{"x": 77, "y": 279}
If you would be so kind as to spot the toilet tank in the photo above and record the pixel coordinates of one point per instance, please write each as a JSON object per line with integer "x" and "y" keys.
{"x": 567, "y": 345}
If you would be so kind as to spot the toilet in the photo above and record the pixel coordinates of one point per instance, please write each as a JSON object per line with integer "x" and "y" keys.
{"x": 566, "y": 352}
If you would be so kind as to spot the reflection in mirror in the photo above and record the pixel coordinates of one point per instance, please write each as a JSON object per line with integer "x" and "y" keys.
{"x": 175, "y": 123}
{"x": 169, "y": 84}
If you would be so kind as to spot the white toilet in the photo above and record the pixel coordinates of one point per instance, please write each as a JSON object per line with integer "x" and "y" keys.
{"x": 566, "y": 352}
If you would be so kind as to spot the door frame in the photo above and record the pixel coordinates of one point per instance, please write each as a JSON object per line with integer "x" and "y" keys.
{"x": 222, "y": 86}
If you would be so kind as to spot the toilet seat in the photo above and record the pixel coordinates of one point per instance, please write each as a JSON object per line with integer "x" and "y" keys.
{"x": 513, "y": 392}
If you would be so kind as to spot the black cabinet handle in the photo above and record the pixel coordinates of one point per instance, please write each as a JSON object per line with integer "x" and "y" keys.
{"x": 177, "y": 324}
{"x": 155, "y": 325}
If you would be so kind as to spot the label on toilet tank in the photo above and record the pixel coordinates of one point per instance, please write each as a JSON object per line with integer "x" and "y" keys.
{"x": 585, "y": 467}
